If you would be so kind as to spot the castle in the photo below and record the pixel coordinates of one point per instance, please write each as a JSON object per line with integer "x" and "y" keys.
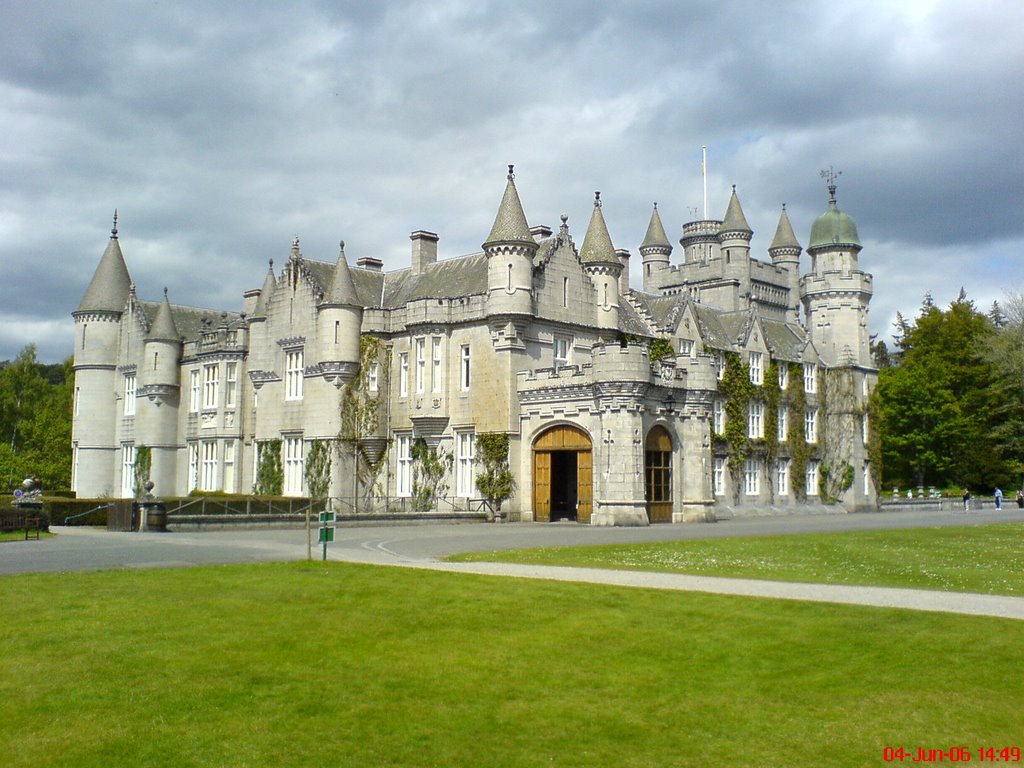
{"x": 704, "y": 394}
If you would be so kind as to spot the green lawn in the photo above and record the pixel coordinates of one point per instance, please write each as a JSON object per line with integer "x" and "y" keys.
{"x": 311, "y": 664}
{"x": 987, "y": 559}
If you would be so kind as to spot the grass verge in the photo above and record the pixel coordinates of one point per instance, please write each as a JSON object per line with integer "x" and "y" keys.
{"x": 353, "y": 665}
{"x": 987, "y": 559}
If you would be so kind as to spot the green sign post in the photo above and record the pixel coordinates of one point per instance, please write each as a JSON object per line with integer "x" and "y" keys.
{"x": 326, "y": 530}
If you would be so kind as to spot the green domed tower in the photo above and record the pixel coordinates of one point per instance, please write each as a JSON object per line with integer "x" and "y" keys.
{"x": 836, "y": 293}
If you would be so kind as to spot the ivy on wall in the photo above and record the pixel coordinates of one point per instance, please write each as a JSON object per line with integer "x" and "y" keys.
{"x": 143, "y": 466}
{"x": 269, "y": 471}
{"x": 837, "y": 401}
{"x": 495, "y": 481}
{"x": 318, "y": 468}
{"x": 363, "y": 412}
{"x": 430, "y": 468}
{"x": 799, "y": 450}
{"x": 772, "y": 394}
{"x": 737, "y": 391}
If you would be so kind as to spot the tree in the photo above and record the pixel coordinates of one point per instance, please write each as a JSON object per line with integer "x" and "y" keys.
{"x": 318, "y": 469}
{"x": 1005, "y": 353}
{"x": 495, "y": 482}
{"x": 269, "y": 472}
{"x": 430, "y": 467}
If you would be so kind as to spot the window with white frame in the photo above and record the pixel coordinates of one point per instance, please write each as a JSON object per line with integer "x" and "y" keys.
{"x": 293, "y": 465}
{"x": 686, "y": 348}
{"x": 864, "y": 434}
{"x": 810, "y": 378}
{"x": 373, "y": 378}
{"x": 811, "y": 425}
{"x": 464, "y": 367}
{"x": 755, "y": 419}
{"x": 78, "y": 395}
{"x": 783, "y": 423}
{"x": 436, "y": 366}
{"x": 230, "y": 446}
{"x": 867, "y": 478}
{"x": 293, "y": 373}
{"x": 208, "y": 477}
{"x": 129, "y": 394}
{"x": 782, "y": 482}
{"x": 127, "y": 470}
{"x": 211, "y": 385}
{"x": 812, "y": 478}
{"x": 193, "y": 466}
{"x": 421, "y": 365}
{"x": 403, "y": 473}
{"x": 756, "y": 368}
{"x": 783, "y": 375}
{"x": 718, "y": 477}
{"x": 751, "y": 477}
{"x": 403, "y": 374}
{"x": 718, "y": 417}
{"x": 562, "y": 351}
{"x": 464, "y": 459}
{"x": 230, "y": 384}
{"x": 720, "y": 366}
{"x": 195, "y": 391}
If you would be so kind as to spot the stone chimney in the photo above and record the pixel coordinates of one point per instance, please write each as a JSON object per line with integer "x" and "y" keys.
{"x": 540, "y": 232}
{"x": 424, "y": 250}
{"x": 623, "y": 254}
{"x": 370, "y": 263}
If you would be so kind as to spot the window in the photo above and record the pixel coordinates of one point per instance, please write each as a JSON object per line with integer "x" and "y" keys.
{"x": 421, "y": 366}
{"x": 810, "y": 378}
{"x": 812, "y": 478}
{"x": 211, "y": 385}
{"x": 293, "y": 466}
{"x": 193, "y": 466}
{"x": 129, "y": 394}
{"x": 720, "y": 366}
{"x": 403, "y": 374}
{"x": 293, "y": 374}
{"x": 565, "y": 291}
{"x": 718, "y": 478}
{"x": 755, "y": 421}
{"x": 78, "y": 395}
{"x": 718, "y": 417}
{"x": 464, "y": 367}
{"x": 658, "y": 466}
{"x": 230, "y": 384}
{"x": 686, "y": 348}
{"x": 403, "y": 476}
{"x": 783, "y": 376}
{"x": 436, "y": 380}
{"x": 373, "y": 379}
{"x": 208, "y": 479}
{"x": 229, "y": 465}
{"x": 867, "y": 478}
{"x": 783, "y": 480}
{"x": 811, "y": 425}
{"x": 751, "y": 477}
{"x": 864, "y": 433}
{"x": 127, "y": 470}
{"x": 464, "y": 458}
{"x": 194, "y": 391}
{"x": 756, "y": 371}
{"x": 562, "y": 346}
{"x": 783, "y": 423}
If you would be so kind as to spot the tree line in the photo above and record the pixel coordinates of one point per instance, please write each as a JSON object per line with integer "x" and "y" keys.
{"x": 950, "y": 397}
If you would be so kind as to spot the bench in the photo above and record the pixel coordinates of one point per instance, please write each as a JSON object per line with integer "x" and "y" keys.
{"x": 13, "y": 520}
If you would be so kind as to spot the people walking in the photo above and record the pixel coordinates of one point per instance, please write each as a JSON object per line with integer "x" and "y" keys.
{"x": 999, "y": 499}
{"x": 967, "y": 500}
{"x": 1020, "y": 499}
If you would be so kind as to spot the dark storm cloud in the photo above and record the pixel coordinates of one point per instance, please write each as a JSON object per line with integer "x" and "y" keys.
{"x": 221, "y": 131}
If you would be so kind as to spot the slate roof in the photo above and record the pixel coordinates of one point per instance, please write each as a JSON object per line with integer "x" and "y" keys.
{"x": 163, "y": 327}
{"x": 597, "y": 245}
{"x": 189, "y": 321}
{"x": 108, "y": 290}
{"x": 510, "y": 223}
{"x": 734, "y": 220}
{"x": 656, "y": 236}
{"x": 784, "y": 235}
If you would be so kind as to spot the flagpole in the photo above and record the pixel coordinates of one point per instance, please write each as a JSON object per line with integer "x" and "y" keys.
{"x": 704, "y": 172}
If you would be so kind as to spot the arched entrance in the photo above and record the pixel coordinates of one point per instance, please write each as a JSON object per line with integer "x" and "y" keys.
{"x": 658, "y": 475}
{"x": 562, "y": 475}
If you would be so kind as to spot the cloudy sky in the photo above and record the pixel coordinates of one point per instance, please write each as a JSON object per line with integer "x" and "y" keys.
{"x": 221, "y": 130}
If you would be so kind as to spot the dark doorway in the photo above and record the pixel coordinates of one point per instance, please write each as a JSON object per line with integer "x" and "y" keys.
{"x": 563, "y": 485}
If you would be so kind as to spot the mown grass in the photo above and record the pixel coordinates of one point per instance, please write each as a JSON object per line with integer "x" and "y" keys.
{"x": 20, "y": 535}
{"x": 986, "y": 559}
{"x": 353, "y": 665}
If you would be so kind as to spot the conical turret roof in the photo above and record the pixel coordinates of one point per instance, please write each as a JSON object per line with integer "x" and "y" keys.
{"x": 734, "y": 220}
{"x": 163, "y": 328}
{"x": 510, "y": 223}
{"x": 656, "y": 237}
{"x": 784, "y": 235}
{"x": 597, "y": 244}
{"x": 111, "y": 282}
{"x": 269, "y": 285}
{"x": 343, "y": 289}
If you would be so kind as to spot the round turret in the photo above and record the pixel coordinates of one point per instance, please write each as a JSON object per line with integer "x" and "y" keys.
{"x": 510, "y": 249}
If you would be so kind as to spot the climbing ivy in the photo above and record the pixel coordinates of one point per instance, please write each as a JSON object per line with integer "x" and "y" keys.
{"x": 318, "y": 468}
{"x": 737, "y": 390}
{"x": 430, "y": 468}
{"x": 660, "y": 348}
{"x": 772, "y": 394}
{"x": 361, "y": 411}
{"x": 143, "y": 466}
{"x": 799, "y": 450}
{"x": 873, "y": 413}
{"x": 269, "y": 472}
{"x": 496, "y": 481}
{"x": 837, "y": 402}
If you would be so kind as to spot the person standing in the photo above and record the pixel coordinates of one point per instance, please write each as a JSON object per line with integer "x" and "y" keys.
{"x": 1020, "y": 499}
{"x": 967, "y": 500}
{"x": 999, "y": 499}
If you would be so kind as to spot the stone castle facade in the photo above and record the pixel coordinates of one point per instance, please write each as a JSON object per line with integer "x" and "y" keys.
{"x": 728, "y": 384}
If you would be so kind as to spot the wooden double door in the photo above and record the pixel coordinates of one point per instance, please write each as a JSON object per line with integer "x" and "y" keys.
{"x": 658, "y": 475}
{"x": 563, "y": 476}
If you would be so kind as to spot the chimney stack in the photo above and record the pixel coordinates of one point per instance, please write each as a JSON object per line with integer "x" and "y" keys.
{"x": 424, "y": 250}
